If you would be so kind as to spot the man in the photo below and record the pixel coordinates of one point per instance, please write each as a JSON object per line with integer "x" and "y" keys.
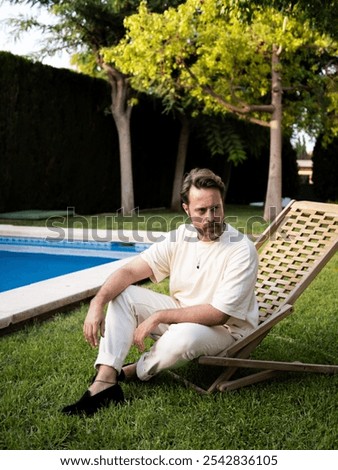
{"x": 212, "y": 269}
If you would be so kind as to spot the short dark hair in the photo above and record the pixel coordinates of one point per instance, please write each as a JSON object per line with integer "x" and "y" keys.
{"x": 201, "y": 178}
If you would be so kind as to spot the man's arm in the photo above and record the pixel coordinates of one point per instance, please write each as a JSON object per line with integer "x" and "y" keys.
{"x": 134, "y": 271}
{"x": 202, "y": 314}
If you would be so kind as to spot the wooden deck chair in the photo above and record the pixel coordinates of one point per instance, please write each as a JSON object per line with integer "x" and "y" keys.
{"x": 292, "y": 251}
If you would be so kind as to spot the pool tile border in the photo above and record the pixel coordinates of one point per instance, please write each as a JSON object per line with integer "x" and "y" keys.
{"x": 31, "y": 301}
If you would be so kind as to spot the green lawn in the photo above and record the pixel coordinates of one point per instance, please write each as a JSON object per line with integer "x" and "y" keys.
{"x": 247, "y": 218}
{"x": 48, "y": 365}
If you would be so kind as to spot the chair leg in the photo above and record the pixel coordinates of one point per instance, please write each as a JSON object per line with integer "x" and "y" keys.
{"x": 187, "y": 383}
{"x": 223, "y": 384}
{"x": 231, "y": 369}
{"x": 249, "y": 380}
{"x": 223, "y": 378}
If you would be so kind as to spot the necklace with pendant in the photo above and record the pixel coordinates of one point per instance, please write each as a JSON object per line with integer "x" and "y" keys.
{"x": 198, "y": 254}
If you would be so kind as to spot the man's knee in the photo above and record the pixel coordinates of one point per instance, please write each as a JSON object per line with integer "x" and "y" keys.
{"x": 182, "y": 340}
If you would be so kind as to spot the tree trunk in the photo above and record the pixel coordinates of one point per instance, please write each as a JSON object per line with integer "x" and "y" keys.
{"x": 180, "y": 163}
{"x": 126, "y": 171}
{"x": 121, "y": 112}
{"x": 273, "y": 200}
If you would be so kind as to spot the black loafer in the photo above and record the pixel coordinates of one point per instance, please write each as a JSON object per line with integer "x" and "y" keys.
{"x": 90, "y": 404}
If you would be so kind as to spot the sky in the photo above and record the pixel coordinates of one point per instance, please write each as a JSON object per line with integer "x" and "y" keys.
{"x": 29, "y": 42}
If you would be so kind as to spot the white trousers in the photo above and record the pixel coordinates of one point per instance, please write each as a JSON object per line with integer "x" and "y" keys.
{"x": 177, "y": 344}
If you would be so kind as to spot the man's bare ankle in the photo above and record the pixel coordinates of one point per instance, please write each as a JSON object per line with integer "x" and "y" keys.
{"x": 106, "y": 374}
{"x": 130, "y": 371}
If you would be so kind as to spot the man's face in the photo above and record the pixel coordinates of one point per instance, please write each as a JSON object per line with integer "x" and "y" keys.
{"x": 205, "y": 209}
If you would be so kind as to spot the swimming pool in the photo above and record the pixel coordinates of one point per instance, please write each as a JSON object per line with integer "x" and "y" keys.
{"x": 27, "y": 260}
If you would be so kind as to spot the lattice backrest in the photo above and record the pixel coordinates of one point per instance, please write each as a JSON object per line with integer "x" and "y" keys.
{"x": 303, "y": 241}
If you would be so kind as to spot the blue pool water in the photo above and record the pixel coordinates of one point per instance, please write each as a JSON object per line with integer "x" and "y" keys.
{"x": 25, "y": 261}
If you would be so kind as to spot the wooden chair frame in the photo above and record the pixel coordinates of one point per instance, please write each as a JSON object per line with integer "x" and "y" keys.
{"x": 292, "y": 251}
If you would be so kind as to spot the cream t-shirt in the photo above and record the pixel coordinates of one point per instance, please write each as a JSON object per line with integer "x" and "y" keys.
{"x": 221, "y": 273}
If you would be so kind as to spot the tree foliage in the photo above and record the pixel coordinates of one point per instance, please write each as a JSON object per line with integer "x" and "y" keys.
{"x": 211, "y": 56}
{"x": 222, "y": 136}
{"x": 321, "y": 14}
{"x": 229, "y": 57}
{"x": 211, "y": 52}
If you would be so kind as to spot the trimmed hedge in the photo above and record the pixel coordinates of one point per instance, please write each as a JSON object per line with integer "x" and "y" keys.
{"x": 59, "y": 146}
{"x": 325, "y": 170}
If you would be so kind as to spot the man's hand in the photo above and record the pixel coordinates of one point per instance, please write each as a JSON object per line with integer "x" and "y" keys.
{"x": 144, "y": 330}
{"x": 94, "y": 323}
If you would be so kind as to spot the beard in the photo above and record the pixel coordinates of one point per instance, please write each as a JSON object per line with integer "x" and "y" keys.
{"x": 211, "y": 231}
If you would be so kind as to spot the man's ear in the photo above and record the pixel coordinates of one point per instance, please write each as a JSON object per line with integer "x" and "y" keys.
{"x": 185, "y": 208}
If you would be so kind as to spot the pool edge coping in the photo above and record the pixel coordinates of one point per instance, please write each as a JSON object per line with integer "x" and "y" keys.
{"x": 29, "y": 302}
{"x": 104, "y": 235}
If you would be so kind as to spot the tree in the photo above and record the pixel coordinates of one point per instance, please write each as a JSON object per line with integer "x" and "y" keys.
{"x": 84, "y": 27}
{"x": 321, "y": 14}
{"x": 234, "y": 62}
{"x": 221, "y": 135}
